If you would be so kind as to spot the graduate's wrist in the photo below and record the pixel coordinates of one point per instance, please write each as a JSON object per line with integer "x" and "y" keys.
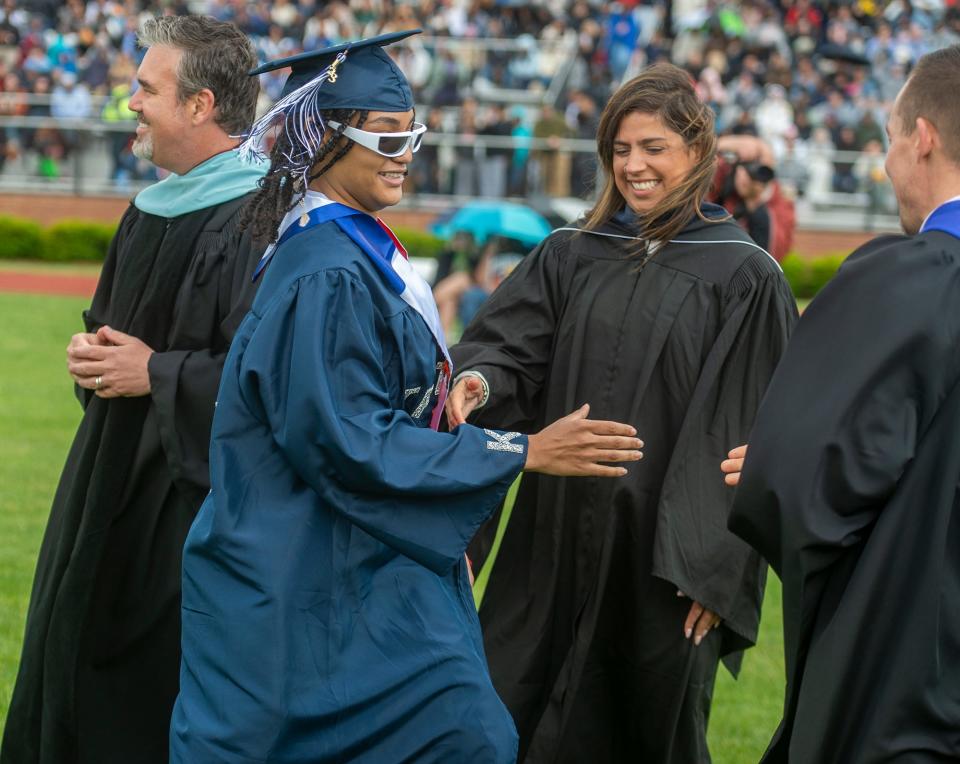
{"x": 534, "y": 460}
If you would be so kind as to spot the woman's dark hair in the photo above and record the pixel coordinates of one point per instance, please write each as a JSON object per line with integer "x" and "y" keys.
{"x": 282, "y": 187}
{"x": 666, "y": 91}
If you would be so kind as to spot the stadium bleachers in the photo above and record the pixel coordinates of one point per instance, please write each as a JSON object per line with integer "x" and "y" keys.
{"x": 511, "y": 89}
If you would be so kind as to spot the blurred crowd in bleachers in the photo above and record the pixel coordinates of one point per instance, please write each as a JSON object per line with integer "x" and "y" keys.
{"x": 507, "y": 86}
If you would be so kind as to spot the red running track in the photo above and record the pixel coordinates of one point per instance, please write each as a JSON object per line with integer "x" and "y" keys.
{"x": 43, "y": 283}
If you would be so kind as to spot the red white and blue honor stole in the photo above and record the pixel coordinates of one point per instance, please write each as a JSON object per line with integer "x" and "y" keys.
{"x": 388, "y": 255}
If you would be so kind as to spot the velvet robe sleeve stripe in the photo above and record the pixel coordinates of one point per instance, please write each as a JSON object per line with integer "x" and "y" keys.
{"x": 849, "y": 491}
{"x": 410, "y": 487}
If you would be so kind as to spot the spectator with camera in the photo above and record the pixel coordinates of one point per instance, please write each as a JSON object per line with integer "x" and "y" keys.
{"x": 752, "y": 187}
{"x": 745, "y": 185}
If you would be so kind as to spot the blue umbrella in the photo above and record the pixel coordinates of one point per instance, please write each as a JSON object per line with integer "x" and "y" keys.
{"x": 486, "y": 219}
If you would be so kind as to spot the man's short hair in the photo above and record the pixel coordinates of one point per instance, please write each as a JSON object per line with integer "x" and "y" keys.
{"x": 216, "y": 56}
{"x": 930, "y": 93}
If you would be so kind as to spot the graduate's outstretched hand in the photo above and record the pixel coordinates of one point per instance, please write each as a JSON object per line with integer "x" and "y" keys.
{"x": 576, "y": 446}
{"x": 732, "y": 466}
{"x": 113, "y": 366}
{"x": 462, "y": 400}
{"x": 699, "y": 622}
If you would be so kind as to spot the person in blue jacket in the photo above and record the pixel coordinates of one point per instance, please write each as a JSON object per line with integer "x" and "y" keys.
{"x": 327, "y": 609}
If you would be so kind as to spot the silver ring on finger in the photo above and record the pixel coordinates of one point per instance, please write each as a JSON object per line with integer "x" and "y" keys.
{"x": 98, "y": 383}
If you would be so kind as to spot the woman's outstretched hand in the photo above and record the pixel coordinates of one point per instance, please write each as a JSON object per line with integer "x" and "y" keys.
{"x": 577, "y": 446}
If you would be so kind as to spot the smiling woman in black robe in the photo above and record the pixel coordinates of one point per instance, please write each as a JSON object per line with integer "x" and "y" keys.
{"x": 589, "y": 644}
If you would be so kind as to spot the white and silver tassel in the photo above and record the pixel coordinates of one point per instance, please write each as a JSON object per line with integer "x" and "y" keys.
{"x": 301, "y": 123}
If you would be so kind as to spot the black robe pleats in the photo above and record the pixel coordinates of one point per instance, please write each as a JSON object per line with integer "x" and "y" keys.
{"x": 851, "y": 490}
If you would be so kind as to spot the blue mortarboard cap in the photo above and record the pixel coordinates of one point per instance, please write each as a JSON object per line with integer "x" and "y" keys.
{"x": 363, "y": 75}
{"x": 349, "y": 76}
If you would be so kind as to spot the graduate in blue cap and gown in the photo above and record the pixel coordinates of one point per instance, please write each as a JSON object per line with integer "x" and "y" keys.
{"x": 327, "y": 609}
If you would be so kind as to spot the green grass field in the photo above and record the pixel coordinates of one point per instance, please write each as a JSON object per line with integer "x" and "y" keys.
{"x": 38, "y": 415}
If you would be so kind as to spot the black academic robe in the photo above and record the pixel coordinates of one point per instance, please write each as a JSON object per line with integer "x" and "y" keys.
{"x": 851, "y": 492}
{"x": 99, "y": 670}
{"x": 582, "y": 624}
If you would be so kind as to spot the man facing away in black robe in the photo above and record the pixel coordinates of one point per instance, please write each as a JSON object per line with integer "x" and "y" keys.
{"x": 850, "y": 487}
{"x": 100, "y": 664}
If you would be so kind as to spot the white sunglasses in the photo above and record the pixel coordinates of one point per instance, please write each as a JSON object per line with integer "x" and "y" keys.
{"x": 385, "y": 144}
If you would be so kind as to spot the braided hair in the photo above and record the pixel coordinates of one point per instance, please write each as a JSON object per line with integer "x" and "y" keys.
{"x": 282, "y": 187}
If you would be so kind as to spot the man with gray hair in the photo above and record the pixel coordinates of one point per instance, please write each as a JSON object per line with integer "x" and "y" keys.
{"x": 100, "y": 664}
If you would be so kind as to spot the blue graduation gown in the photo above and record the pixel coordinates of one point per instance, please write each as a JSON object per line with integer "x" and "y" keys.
{"x": 327, "y": 613}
